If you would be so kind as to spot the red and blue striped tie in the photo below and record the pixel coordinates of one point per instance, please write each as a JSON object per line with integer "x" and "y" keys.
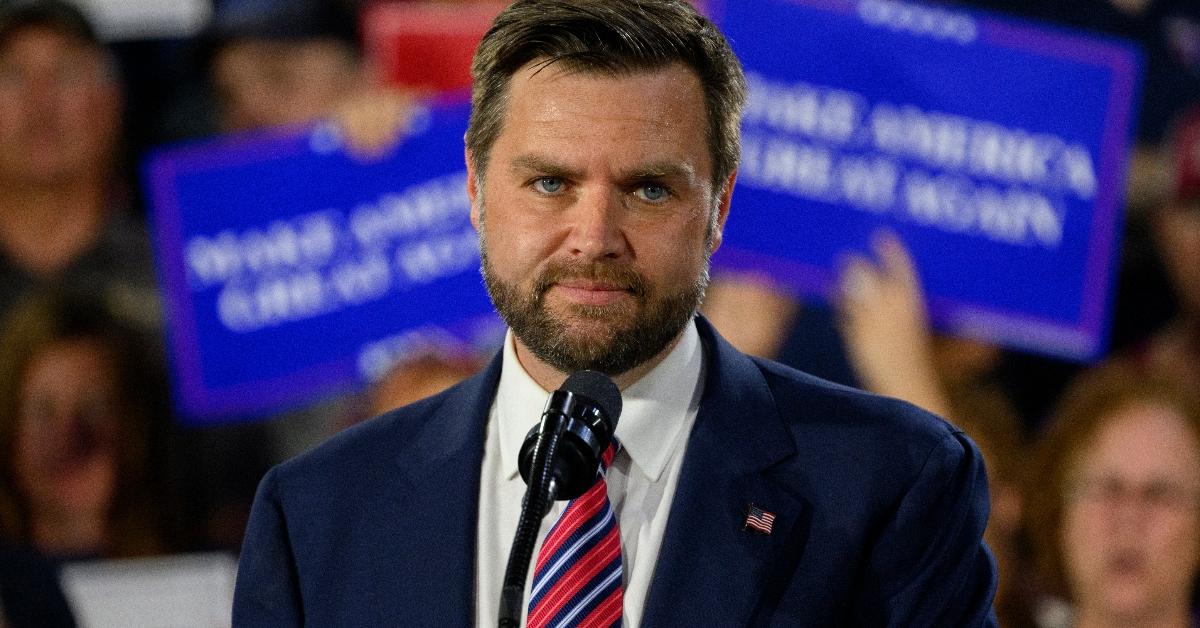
{"x": 577, "y": 578}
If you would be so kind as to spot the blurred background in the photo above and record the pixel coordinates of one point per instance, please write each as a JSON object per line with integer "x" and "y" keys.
{"x": 106, "y": 494}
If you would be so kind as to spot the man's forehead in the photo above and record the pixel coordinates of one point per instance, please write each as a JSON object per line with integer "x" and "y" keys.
{"x": 669, "y": 96}
{"x": 62, "y": 39}
{"x": 657, "y": 115}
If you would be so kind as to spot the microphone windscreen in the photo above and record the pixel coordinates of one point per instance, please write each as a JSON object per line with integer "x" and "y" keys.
{"x": 599, "y": 388}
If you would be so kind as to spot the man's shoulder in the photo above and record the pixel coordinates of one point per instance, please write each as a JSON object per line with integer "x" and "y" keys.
{"x": 860, "y": 454}
{"x": 828, "y": 421}
{"x": 806, "y": 399}
{"x": 878, "y": 443}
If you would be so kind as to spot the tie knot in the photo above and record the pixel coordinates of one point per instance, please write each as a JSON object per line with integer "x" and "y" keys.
{"x": 610, "y": 452}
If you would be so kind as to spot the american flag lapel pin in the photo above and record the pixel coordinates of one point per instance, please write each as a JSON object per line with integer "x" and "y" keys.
{"x": 758, "y": 520}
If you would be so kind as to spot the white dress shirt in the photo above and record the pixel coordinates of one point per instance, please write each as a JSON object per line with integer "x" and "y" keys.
{"x": 656, "y": 420}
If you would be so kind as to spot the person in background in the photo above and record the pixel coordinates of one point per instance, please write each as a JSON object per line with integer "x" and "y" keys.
{"x": 62, "y": 217}
{"x": 1115, "y": 505}
{"x": 82, "y": 411}
{"x": 751, "y": 312}
{"x": 417, "y": 377}
{"x": 275, "y": 64}
{"x": 413, "y": 377}
{"x": 1176, "y": 229}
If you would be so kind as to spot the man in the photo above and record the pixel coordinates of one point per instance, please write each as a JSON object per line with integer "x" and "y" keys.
{"x": 293, "y": 62}
{"x": 601, "y": 154}
{"x": 281, "y": 63}
{"x": 60, "y": 122}
{"x": 1175, "y": 222}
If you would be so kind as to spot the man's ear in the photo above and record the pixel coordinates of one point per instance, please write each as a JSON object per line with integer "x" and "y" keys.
{"x": 722, "y": 212}
{"x": 472, "y": 187}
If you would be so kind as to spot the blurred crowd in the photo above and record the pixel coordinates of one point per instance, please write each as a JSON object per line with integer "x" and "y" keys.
{"x": 1095, "y": 469}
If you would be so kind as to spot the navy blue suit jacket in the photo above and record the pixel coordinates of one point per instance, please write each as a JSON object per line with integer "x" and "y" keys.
{"x": 880, "y": 508}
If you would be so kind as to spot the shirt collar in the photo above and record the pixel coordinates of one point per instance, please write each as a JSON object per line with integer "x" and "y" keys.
{"x": 654, "y": 409}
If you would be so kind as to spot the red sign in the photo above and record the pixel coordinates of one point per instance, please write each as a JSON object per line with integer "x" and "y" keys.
{"x": 426, "y": 45}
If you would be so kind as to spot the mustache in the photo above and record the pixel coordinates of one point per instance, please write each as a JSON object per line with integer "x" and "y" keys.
{"x": 614, "y": 275}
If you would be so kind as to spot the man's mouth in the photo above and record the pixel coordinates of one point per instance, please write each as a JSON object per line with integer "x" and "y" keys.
{"x": 1126, "y": 563}
{"x": 590, "y": 291}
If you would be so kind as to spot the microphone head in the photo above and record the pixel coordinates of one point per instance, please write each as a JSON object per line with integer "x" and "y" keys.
{"x": 584, "y": 411}
{"x": 598, "y": 388}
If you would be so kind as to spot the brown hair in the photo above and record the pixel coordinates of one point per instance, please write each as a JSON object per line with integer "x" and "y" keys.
{"x": 1085, "y": 409}
{"x": 611, "y": 37}
{"x": 137, "y": 517}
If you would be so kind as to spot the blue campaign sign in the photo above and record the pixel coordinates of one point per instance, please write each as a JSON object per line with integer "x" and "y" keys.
{"x": 291, "y": 268}
{"x": 995, "y": 148}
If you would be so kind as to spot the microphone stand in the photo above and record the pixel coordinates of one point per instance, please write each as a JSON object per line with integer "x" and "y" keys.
{"x": 579, "y": 419}
{"x": 539, "y": 495}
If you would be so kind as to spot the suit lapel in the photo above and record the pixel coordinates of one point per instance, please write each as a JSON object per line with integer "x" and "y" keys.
{"x": 450, "y": 442}
{"x": 710, "y": 565}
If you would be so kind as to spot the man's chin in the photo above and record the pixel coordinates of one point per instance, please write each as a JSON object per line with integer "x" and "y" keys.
{"x": 588, "y": 335}
{"x": 598, "y": 322}
{"x": 578, "y": 343}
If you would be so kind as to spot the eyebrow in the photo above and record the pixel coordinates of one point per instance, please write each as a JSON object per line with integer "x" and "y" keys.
{"x": 541, "y": 165}
{"x": 652, "y": 170}
{"x": 662, "y": 170}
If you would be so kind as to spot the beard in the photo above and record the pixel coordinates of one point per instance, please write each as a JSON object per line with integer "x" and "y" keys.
{"x": 611, "y": 339}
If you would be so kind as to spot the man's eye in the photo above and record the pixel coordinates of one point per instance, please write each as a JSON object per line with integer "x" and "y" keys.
{"x": 548, "y": 185}
{"x": 652, "y": 193}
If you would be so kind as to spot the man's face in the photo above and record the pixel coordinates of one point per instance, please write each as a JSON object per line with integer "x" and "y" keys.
{"x": 68, "y": 436}
{"x": 594, "y": 212}
{"x": 263, "y": 83}
{"x": 59, "y": 108}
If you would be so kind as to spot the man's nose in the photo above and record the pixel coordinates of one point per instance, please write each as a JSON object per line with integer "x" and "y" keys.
{"x": 1130, "y": 511}
{"x": 596, "y": 226}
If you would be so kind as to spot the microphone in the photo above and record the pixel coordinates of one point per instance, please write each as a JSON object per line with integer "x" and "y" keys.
{"x": 587, "y": 406}
{"x": 558, "y": 460}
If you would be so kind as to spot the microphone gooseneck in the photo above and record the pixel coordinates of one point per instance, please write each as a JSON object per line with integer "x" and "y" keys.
{"x": 558, "y": 460}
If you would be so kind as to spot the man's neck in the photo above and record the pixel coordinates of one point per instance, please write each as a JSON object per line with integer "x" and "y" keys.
{"x": 44, "y": 228}
{"x": 550, "y": 378}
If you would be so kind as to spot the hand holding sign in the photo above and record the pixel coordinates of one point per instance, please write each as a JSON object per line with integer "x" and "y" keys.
{"x": 374, "y": 120}
{"x": 885, "y": 326}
